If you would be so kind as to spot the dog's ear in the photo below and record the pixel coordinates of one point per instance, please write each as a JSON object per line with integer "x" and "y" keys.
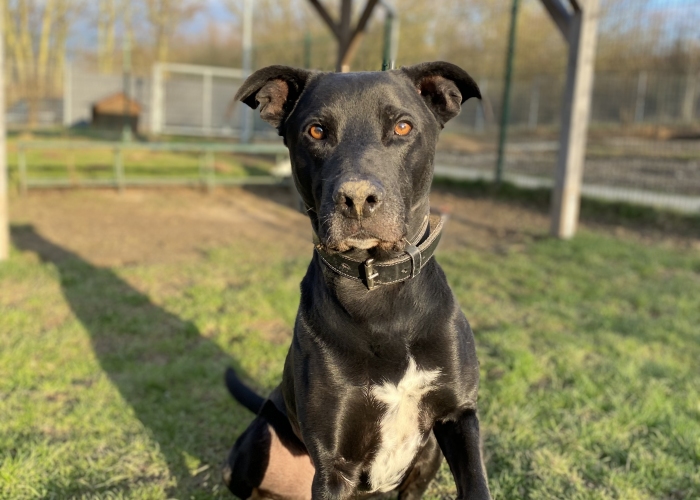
{"x": 276, "y": 89}
{"x": 443, "y": 86}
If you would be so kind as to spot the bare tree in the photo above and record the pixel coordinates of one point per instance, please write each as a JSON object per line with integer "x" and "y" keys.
{"x": 164, "y": 17}
{"x": 35, "y": 34}
{"x": 106, "y": 24}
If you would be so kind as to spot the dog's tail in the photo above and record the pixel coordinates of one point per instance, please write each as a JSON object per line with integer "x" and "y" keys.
{"x": 242, "y": 393}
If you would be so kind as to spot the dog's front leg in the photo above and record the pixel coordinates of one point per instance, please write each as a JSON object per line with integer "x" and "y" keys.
{"x": 334, "y": 482}
{"x": 459, "y": 441}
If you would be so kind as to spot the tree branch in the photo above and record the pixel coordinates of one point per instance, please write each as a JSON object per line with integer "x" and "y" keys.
{"x": 326, "y": 17}
{"x": 366, "y": 14}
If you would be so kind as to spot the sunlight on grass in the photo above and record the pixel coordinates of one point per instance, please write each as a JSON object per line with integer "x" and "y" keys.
{"x": 111, "y": 378}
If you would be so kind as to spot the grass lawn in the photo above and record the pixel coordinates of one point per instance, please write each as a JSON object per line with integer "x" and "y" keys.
{"x": 76, "y": 166}
{"x": 111, "y": 377}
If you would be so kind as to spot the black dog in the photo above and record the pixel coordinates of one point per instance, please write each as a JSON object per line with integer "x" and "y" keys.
{"x": 382, "y": 372}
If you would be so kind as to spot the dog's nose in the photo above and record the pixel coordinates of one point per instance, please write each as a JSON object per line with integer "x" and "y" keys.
{"x": 356, "y": 199}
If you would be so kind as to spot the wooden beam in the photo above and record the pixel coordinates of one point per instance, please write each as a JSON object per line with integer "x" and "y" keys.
{"x": 561, "y": 16}
{"x": 348, "y": 38}
{"x": 344, "y": 35}
{"x": 358, "y": 33}
{"x": 326, "y": 17}
{"x": 566, "y": 196}
{"x": 4, "y": 202}
{"x": 364, "y": 18}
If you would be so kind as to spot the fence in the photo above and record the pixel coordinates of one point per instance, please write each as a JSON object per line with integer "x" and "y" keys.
{"x": 644, "y": 142}
{"x": 188, "y": 99}
{"x": 644, "y": 139}
{"x": 202, "y": 165}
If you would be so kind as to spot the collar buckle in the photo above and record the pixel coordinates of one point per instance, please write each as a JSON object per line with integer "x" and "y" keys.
{"x": 370, "y": 274}
{"x": 416, "y": 257}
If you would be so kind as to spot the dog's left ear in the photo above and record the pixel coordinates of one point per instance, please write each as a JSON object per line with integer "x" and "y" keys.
{"x": 443, "y": 86}
{"x": 276, "y": 89}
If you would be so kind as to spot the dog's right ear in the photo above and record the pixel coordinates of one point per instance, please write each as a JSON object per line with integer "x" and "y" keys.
{"x": 276, "y": 89}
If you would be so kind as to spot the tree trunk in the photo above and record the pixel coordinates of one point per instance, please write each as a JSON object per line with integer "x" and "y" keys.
{"x": 105, "y": 36}
{"x": 58, "y": 48}
{"x": 43, "y": 57}
{"x": 13, "y": 47}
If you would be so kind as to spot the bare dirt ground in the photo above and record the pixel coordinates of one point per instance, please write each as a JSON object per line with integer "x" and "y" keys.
{"x": 150, "y": 226}
{"x": 652, "y": 164}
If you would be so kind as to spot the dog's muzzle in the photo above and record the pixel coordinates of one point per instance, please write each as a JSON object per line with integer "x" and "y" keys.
{"x": 375, "y": 273}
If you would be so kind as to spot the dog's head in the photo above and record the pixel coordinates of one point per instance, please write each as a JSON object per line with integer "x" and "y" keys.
{"x": 361, "y": 144}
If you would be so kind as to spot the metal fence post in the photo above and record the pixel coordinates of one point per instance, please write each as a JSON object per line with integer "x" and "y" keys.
{"x": 247, "y": 134}
{"x": 67, "y": 95}
{"x": 533, "y": 117}
{"x": 211, "y": 170}
{"x": 480, "y": 110}
{"x": 22, "y": 165}
{"x": 307, "y": 50}
{"x": 641, "y": 97}
{"x": 505, "y": 103}
{"x": 119, "y": 168}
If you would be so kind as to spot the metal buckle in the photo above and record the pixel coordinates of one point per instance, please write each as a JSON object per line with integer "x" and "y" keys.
{"x": 370, "y": 274}
{"x": 416, "y": 258}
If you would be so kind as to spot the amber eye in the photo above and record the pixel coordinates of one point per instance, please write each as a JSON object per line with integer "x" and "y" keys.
{"x": 317, "y": 132}
{"x": 402, "y": 128}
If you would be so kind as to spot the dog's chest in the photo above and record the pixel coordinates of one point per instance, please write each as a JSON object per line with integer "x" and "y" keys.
{"x": 400, "y": 434}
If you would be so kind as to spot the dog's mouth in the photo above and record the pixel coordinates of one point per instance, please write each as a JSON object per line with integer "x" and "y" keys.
{"x": 378, "y": 233}
{"x": 362, "y": 240}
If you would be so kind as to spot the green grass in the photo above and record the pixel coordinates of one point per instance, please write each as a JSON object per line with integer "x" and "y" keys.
{"x": 98, "y": 164}
{"x": 111, "y": 378}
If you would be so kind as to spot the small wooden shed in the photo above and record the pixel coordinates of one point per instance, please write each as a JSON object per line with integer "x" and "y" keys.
{"x": 115, "y": 111}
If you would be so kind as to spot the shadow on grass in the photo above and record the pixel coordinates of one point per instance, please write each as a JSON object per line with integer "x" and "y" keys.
{"x": 170, "y": 375}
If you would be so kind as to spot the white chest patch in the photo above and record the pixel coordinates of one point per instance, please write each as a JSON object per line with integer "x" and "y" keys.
{"x": 400, "y": 434}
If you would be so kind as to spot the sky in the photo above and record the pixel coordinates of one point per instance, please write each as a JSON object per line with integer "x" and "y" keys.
{"x": 217, "y": 13}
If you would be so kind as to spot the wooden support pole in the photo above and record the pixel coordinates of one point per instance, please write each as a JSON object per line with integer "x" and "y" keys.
{"x": 4, "y": 202}
{"x": 566, "y": 197}
{"x": 344, "y": 35}
{"x": 559, "y": 15}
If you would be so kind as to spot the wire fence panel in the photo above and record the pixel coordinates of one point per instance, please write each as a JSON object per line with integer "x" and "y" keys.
{"x": 644, "y": 137}
{"x": 645, "y": 118}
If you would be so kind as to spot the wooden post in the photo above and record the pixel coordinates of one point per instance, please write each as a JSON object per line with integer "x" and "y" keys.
{"x": 4, "y": 202}
{"x": 342, "y": 65}
{"x": 581, "y": 27}
{"x": 157, "y": 99}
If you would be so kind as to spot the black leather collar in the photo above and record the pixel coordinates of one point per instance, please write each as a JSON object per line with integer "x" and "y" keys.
{"x": 406, "y": 266}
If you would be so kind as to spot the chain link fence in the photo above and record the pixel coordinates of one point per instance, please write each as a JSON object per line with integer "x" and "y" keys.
{"x": 644, "y": 141}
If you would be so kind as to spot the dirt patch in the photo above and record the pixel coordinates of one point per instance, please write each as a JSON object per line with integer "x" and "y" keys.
{"x": 273, "y": 331}
{"x": 152, "y": 226}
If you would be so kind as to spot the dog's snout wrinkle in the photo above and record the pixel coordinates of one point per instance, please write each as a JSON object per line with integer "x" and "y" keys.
{"x": 359, "y": 198}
